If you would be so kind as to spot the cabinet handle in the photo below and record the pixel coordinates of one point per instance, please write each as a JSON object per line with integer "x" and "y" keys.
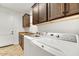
{"x": 64, "y": 12}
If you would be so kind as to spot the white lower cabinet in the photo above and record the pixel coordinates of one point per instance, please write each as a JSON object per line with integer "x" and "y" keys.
{"x": 31, "y": 49}
{"x": 36, "y": 48}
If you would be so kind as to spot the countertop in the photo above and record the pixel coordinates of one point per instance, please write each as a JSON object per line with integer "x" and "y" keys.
{"x": 25, "y": 33}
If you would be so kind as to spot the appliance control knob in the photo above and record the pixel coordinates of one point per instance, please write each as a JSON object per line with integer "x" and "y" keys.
{"x": 42, "y": 46}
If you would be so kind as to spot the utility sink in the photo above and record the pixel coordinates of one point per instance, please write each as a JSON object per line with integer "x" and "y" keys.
{"x": 64, "y": 44}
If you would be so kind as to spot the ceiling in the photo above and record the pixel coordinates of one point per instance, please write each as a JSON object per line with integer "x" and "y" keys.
{"x": 20, "y": 7}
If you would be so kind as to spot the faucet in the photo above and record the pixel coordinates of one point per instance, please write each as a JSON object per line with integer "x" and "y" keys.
{"x": 57, "y": 36}
{"x": 37, "y": 34}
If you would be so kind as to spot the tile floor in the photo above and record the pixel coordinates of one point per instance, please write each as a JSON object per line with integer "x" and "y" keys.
{"x": 12, "y": 50}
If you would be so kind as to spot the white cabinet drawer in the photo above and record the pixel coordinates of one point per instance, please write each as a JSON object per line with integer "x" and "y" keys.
{"x": 49, "y": 49}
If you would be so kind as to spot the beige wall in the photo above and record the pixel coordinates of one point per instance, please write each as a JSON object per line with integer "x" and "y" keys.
{"x": 62, "y": 25}
{"x": 67, "y": 25}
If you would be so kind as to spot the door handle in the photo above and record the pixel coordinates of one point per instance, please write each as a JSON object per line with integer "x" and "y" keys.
{"x": 12, "y": 32}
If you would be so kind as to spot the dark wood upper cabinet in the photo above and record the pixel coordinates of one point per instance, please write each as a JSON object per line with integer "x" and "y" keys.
{"x": 35, "y": 14}
{"x": 72, "y": 8}
{"x": 26, "y": 20}
{"x": 42, "y": 12}
{"x": 55, "y": 10}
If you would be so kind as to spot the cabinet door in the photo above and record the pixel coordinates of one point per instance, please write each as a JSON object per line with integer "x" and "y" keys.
{"x": 55, "y": 10}
{"x": 26, "y": 20}
{"x": 72, "y": 8}
{"x": 21, "y": 41}
{"x": 35, "y": 14}
{"x": 42, "y": 12}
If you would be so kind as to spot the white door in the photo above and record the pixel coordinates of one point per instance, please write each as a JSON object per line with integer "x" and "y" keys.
{"x": 6, "y": 29}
